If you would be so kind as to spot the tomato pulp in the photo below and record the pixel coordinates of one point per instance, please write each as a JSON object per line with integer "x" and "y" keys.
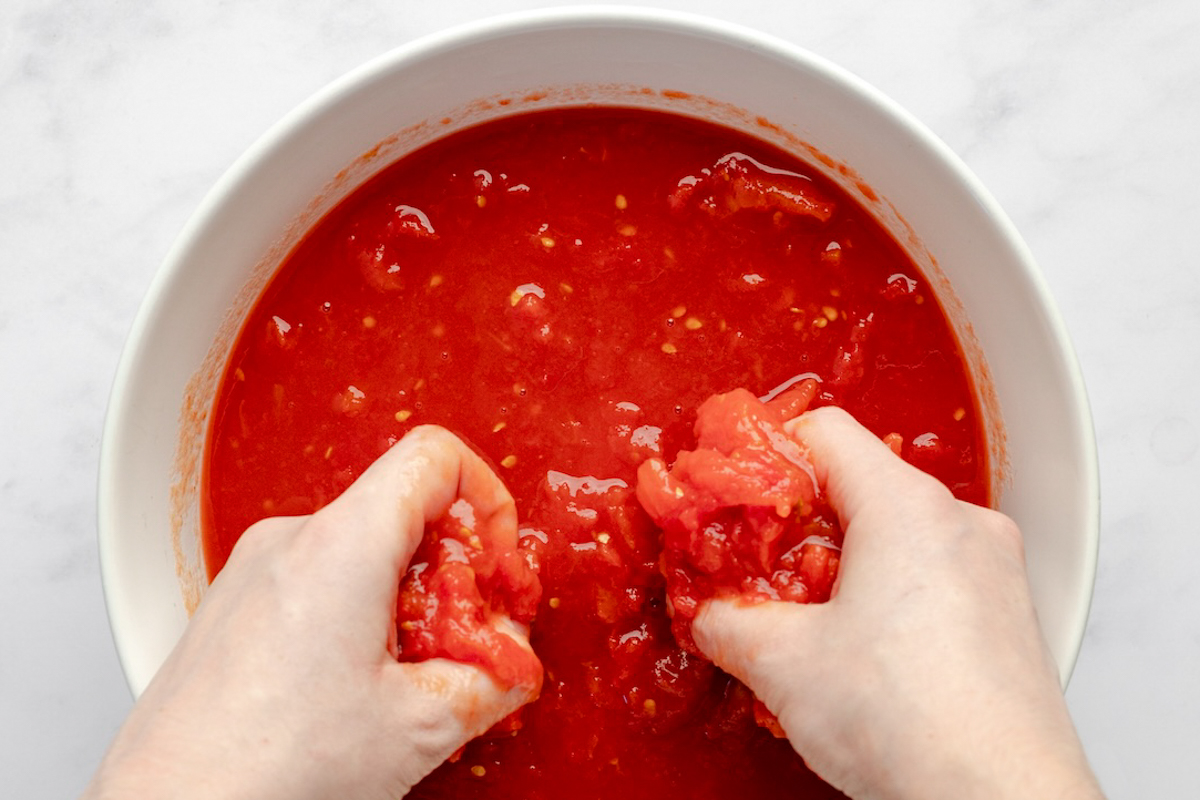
{"x": 563, "y": 289}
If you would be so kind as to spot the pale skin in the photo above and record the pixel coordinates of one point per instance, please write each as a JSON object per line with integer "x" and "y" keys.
{"x": 286, "y": 685}
{"x": 924, "y": 677}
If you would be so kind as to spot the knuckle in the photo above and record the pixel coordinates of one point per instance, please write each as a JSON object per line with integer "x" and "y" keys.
{"x": 1006, "y": 530}
{"x": 266, "y": 534}
{"x": 430, "y": 433}
{"x": 928, "y": 492}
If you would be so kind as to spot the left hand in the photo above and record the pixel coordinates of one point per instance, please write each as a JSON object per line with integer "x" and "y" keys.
{"x": 286, "y": 684}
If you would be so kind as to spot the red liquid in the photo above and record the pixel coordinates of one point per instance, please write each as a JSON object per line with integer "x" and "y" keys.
{"x": 543, "y": 287}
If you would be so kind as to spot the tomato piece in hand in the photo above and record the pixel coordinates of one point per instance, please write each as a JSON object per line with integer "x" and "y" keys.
{"x": 464, "y": 586}
{"x": 741, "y": 514}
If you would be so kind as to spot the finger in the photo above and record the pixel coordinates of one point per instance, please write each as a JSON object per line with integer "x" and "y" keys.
{"x": 440, "y": 705}
{"x": 863, "y": 479}
{"x": 850, "y": 461}
{"x": 382, "y": 515}
{"x": 762, "y": 644}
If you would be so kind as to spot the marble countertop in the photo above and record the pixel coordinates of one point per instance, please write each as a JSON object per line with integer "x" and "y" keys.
{"x": 1081, "y": 117}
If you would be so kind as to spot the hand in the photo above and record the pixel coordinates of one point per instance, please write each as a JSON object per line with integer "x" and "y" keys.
{"x": 926, "y": 676}
{"x": 286, "y": 684}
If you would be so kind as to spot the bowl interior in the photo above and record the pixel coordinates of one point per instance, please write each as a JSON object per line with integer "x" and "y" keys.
{"x": 1036, "y": 411}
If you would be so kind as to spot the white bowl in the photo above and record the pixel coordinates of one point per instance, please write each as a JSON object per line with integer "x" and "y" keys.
{"x": 1038, "y": 420}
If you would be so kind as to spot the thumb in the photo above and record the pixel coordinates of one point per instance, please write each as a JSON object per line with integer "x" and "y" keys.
{"x": 851, "y": 463}
{"x": 767, "y": 645}
{"x": 439, "y": 705}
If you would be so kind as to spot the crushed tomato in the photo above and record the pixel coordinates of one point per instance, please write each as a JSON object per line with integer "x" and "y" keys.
{"x": 741, "y": 514}
{"x": 563, "y": 289}
{"x": 463, "y": 585}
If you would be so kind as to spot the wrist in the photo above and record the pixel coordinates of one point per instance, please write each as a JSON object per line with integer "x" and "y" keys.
{"x": 1048, "y": 764}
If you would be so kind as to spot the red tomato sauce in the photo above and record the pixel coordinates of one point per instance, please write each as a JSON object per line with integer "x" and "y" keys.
{"x": 563, "y": 290}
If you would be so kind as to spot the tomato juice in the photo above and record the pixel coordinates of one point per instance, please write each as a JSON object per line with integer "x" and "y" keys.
{"x": 563, "y": 289}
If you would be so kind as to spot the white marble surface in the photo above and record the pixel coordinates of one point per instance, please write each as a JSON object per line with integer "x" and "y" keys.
{"x": 1081, "y": 117}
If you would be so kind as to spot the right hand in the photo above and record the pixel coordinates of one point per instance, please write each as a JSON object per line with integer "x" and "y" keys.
{"x": 926, "y": 676}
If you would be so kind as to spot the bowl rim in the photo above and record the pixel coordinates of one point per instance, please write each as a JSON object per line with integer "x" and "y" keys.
{"x": 120, "y": 415}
